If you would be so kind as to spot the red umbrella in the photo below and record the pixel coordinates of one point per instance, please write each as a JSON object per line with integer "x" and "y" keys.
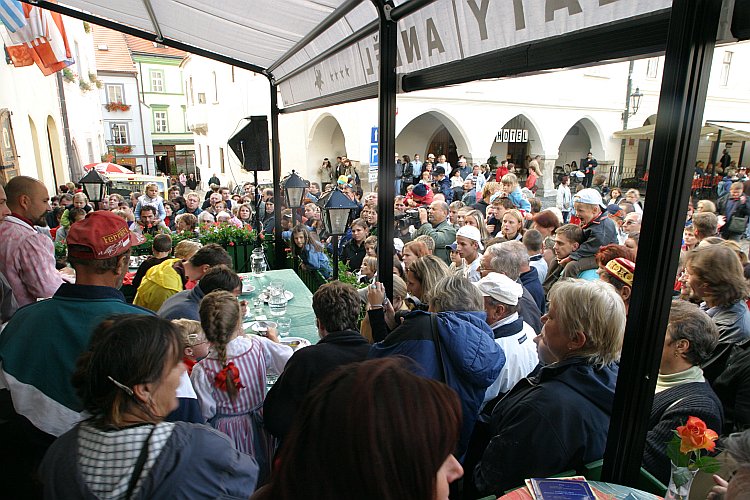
{"x": 108, "y": 168}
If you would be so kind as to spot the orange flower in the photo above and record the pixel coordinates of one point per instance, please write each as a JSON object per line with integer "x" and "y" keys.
{"x": 695, "y": 436}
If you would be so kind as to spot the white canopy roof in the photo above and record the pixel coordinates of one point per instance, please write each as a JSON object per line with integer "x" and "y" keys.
{"x": 264, "y": 35}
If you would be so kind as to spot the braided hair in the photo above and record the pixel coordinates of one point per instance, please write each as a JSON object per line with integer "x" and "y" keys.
{"x": 220, "y": 318}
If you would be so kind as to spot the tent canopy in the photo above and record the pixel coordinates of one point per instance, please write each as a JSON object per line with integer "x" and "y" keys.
{"x": 730, "y": 131}
{"x": 326, "y": 51}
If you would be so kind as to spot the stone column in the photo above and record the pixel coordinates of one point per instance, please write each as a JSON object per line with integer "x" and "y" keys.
{"x": 546, "y": 186}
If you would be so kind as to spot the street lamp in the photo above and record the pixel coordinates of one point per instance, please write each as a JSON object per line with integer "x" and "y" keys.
{"x": 294, "y": 189}
{"x": 94, "y": 185}
{"x": 337, "y": 208}
{"x": 635, "y": 101}
{"x": 114, "y": 130}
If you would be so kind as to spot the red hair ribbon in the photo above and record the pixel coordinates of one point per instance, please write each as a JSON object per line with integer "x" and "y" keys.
{"x": 221, "y": 378}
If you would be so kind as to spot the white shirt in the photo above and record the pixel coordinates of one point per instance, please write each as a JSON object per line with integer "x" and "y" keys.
{"x": 520, "y": 357}
{"x": 471, "y": 271}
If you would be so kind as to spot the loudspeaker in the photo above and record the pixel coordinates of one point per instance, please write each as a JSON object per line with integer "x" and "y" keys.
{"x": 251, "y": 146}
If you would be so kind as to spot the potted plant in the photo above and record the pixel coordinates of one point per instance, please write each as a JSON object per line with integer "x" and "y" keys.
{"x": 68, "y": 75}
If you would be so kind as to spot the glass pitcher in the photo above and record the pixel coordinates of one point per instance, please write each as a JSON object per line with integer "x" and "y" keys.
{"x": 258, "y": 262}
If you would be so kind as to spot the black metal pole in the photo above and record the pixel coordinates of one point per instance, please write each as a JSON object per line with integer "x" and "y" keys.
{"x": 386, "y": 143}
{"x": 335, "y": 242}
{"x": 278, "y": 241}
{"x": 258, "y": 225}
{"x": 690, "y": 44}
{"x": 295, "y": 260}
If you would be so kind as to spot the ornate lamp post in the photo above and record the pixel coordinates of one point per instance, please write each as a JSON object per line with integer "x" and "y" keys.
{"x": 94, "y": 185}
{"x": 294, "y": 189}
{"x": 337, "y": 208}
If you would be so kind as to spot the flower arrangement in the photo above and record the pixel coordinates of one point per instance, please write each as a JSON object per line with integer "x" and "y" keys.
{"x": 124, "y": 149}
{"x": 689, "y": 449}
{"x": 225, "y": 234}
{"x": 68, "y": 75}
{"x": 86, "y": 27}
{"x": 95, "y": 80}
{"x": 84, "y": 86}
{"x": 117, "y": 106}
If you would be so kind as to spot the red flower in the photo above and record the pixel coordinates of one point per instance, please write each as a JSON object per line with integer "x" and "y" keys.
{"x": 221, "y": 378}
{"x": 695, "y": 436}
{"x": 231, "y": 243}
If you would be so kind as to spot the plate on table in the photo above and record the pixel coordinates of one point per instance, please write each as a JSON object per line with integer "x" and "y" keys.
{"x": 287, "y": 295}
{"x": 294, "y": 342}
{"x": 259, "y": 326}
{"x": 247, "y": 288}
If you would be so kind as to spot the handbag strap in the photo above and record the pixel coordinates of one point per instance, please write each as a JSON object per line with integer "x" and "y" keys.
{"x": 139, "y": 464}
{"x": 438, "y": 349}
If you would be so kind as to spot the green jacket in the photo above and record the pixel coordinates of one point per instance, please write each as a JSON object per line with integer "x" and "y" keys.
{"x": 443, "y": 234}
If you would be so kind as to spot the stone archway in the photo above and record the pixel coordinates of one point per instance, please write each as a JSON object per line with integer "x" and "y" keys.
{"x": 326, "y": 141}
{"x": 433, "y": 132}
{"x": 582, "y": 137}
{"x": 515, "y": 140}
{"x": 37, "y": 150}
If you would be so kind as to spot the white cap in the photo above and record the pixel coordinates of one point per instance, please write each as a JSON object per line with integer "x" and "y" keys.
{"x": 589, "y": 196}
{"x": 501, "y": 288}
{"x": 472, "y": 233}
{"x": 398, "y": 244}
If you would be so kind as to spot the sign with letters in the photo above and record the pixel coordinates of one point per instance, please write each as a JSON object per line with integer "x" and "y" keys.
{"x": 451, "y": 30}
{"x": 512, "y": 135}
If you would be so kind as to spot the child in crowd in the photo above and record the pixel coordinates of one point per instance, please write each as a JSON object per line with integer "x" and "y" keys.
{"x": 153, "y": 199}
{"x": 231, "y": 380}
{"x": 195, "y": 343}
{"x": 308, "y": 248}
{"x": 368, "y": 270}
{"x": 371, "y": 246}
{"x": 513, "y": 192}
{"x": 598, "y": 230}
{"x": 74, "y": 215}
{"x": 79, "y": 201}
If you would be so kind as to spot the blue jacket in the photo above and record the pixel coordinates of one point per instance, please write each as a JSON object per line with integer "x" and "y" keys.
{"x": 318, "y": 260}
{"x": 554, "y": 420}
{"x": 183, "y": 305}
{"x": 471, "y": 358}
{"x": 518, "y": 200}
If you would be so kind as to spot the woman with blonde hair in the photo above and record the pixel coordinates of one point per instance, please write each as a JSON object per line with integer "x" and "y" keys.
{"x": 422, "y": 276}
{"x": 575, "y": 389}
{"x": 475, "y": 218}
{"x": 512, "y": 225}
{"x": 706, "y": 206}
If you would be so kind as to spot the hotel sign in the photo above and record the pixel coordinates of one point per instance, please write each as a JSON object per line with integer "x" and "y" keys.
{"x": 512, "y": 135}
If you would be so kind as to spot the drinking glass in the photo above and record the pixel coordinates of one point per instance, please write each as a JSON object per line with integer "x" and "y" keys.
{"x": 277, "y": 303}
{"x": 276, "y": 287}
{"x": 284, "y": 325}
{"x": 258, "y": 307}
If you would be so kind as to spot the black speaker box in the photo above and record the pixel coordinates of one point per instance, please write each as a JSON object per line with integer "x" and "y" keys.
{"x": 251, "y": 146}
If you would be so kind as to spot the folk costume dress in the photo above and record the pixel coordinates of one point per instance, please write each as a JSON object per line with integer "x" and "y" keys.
{"x": 248, "y": 360}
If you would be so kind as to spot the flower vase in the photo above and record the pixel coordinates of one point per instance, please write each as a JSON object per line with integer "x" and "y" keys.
{"x": 680, "y": 481}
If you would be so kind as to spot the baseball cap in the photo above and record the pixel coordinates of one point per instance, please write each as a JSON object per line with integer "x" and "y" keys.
{"x": 471, "y": 233}
{"x": 615, "y": 210}
{"x": 589, "y": 196}
{"x": 420, "y": 190}
{"x": 452, "y": 247}
{"x": 622, "y": 269}
{"x": 430, "y": 155}
{"x": 105, "y": 234}
{"x": 501, "y": 288}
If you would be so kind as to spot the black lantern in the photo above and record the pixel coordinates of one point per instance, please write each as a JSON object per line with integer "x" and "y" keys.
{"x": 635, "y": 100}
{"x": 94, "y": 185}
{"x": 336, "y": 207}
{"x": 294, "y": 188}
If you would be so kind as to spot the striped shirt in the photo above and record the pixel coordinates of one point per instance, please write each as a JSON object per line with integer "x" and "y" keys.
{"x": 27, "y": 259}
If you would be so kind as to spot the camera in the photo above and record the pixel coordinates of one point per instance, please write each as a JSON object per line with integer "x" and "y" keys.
{"x": 410, "y": 217}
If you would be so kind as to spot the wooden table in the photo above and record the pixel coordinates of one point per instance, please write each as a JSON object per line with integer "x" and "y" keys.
{"x": 298, "y": 309}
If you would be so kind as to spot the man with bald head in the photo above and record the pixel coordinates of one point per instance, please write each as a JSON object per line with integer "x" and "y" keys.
{"x": 27, "y": 258}
{"x": 8, "y": 304}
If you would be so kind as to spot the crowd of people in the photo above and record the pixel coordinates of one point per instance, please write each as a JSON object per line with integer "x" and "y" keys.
{"x": 495, "y": 359}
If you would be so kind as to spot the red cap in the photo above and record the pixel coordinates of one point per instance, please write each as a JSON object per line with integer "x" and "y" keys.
{"x": 104, "y": 233}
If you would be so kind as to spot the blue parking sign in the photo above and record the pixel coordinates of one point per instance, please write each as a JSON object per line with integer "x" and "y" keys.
{"x": 373, "y": 154}
{"x": 374, "y": 135}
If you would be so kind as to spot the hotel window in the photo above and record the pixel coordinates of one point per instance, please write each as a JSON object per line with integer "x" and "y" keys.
{"x": 160, "y": 122}
{"x": 652, "y": 68}
{"x": 157, "y": 81}
{"x": 120, "y": 133}
{"x": 115, "y": 93}
{"x": 201, "y": 98}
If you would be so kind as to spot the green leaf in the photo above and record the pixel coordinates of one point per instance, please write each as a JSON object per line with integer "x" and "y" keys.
{"x": 709, "y": 465}
{"x": 681, "y": 475}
